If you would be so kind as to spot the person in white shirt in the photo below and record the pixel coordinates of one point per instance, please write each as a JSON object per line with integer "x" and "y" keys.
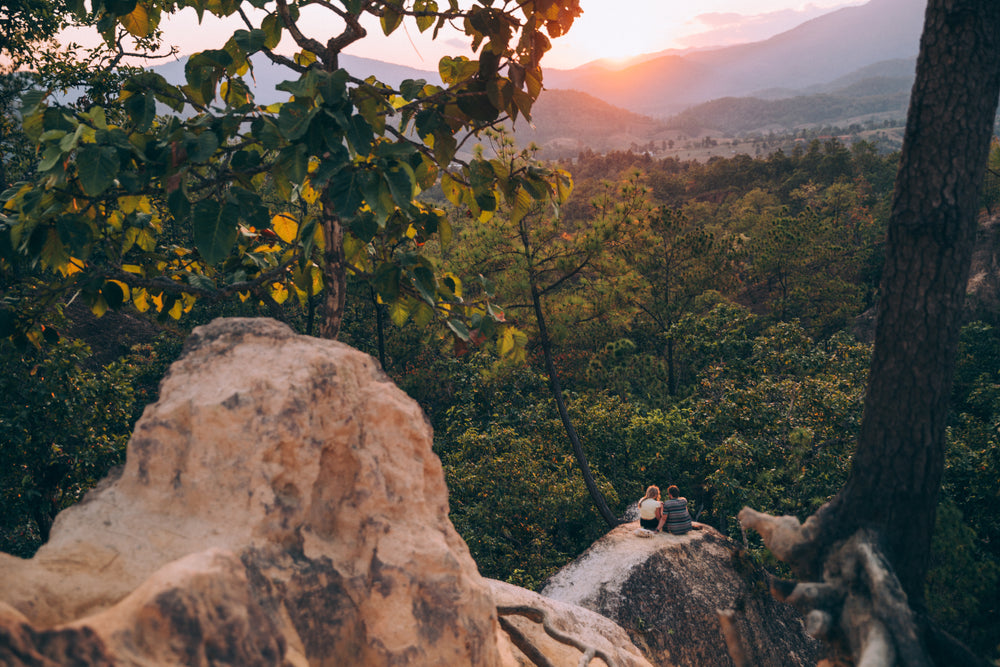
{"x": 650, "y": 508}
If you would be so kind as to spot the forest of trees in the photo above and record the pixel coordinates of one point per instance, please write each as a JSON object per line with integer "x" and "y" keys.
{"x": 708, "y": 326}
{"x": 574, "y": 330}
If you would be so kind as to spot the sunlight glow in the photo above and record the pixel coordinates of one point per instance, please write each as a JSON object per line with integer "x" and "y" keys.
{"x": 614, "y": 31}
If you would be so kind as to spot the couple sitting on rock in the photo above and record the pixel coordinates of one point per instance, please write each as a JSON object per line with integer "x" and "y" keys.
{"x": 672, "y": 512}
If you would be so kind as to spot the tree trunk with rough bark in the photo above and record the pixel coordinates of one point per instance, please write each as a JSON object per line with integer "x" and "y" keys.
{"x": 334, "y": 275}
{"x": 897, "y": 468}
{"x": 876, "y": 534}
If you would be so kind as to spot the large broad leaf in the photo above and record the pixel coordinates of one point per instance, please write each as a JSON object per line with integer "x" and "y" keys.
{"x": 137, "y": 21}
{"x": 141, "y": 109}
{"x": 251, "y": 41}
{"x": 391, "y": 18}
{"x": 285, "y": 226}
{"x": 294, "y": 119}
{"x": 423, "y": 280}
{"x": 215, "y": 229}
{"x": 97, "y": 167}
{"x": 400, "y": 180}
{"x": 386, "y": 281}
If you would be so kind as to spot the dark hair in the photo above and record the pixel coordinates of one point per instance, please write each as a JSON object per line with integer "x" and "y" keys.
{"x": 673, "y": 491}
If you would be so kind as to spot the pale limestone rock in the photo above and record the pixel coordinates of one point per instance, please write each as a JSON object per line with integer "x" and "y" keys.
{"x": 666, "y": 591}
{"x": 523, "y": 618}
{"x": 196, "y": 611}
{"x": 300, "y": 458}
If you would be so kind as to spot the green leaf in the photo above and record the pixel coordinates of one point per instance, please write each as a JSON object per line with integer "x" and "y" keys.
{"x": 390, "y": 20}
{"x": 201, "y": 147}
{"x": 294, "y": 119}
{"x": 215, "y": 229}
{"x": 97, "y": 168}
{"x": 179, "y": 205}
{"x": 423, "y": 280}
{"x": 411, "y": 88}
{"x": 423, "y": 314}
{"x": 251, "y": 41}
{"x": 477, "y": 106}
{"x": 364, "y": 227}
{"x": 430, "y": 6}
{"x": 360, "y": 134}
{"x": 141, "y": 109}
{"x": 50, "y": 158}
{"x": 445, "y": 146}
{"x": 400, "y": 180}
{"x": 293, "y": 163}
{"x": 399, "y": 311}
{"x": 386, "y": 281}
{"x": 271, "y": 25}
{"x": 113, "y": 295}
{"x": 459, "y": 328}
{"x": 345, "y": 191}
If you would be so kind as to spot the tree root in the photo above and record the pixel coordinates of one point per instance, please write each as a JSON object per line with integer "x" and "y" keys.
{"x": 542, "y": 617}
{"x": 859, "y": 609}
{"x": 734, "y": 640}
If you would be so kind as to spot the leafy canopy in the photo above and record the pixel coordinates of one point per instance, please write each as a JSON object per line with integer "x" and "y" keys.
{"x": 220, "y": 196}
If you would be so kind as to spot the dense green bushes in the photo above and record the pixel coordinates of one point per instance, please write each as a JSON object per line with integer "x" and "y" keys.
{"x": 708, "y": 345}
{"x": 63, "y": 428}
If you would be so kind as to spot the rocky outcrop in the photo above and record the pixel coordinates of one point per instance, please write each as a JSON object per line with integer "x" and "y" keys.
{"x": 666, "y": 591}
{"x": 539, "y": 631}
{"x": 280, "y": 505}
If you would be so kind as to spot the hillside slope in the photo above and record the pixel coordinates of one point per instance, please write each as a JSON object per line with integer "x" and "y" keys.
{"x": 815, "y": 53}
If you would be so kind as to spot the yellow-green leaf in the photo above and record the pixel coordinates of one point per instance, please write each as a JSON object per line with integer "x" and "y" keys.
{"x": 278, "y": 292}
{"x": 399, "y": 312}
{"x": 285, "y": 226}
{"x": 137, "y": 22}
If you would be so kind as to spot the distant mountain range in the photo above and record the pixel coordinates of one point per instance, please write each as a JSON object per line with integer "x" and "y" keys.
{"x": 850, "y": 65}
{"x": 818, "y": 52}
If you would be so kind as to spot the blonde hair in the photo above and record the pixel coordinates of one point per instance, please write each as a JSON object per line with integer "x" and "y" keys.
{"x": 652, "y": 492}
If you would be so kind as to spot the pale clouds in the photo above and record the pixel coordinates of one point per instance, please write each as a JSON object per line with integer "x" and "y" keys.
{"x": 725, "y": 28}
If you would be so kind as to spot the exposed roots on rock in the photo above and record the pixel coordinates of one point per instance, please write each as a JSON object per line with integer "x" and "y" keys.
{"x": 859, "y": 607}
{"x": 734, "y": 641}
{"x": 541, "y": 616}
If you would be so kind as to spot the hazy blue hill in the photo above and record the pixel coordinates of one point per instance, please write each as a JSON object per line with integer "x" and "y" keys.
{"x": 658, "y": 86}
{"x": 817, "y": 52}
{"x": 877, "y": 86}
{"x": 865, "y": 100}
{"x": 900, "y": 69}
{"x": 564, "y": 122}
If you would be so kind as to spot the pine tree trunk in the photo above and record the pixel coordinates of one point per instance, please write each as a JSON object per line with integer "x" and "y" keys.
{"x": 574, "y": 438}
{"x": 898, "y": 465}
{"x": 887, "y": 506}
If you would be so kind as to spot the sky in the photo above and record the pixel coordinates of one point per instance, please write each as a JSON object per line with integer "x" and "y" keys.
{"x": 611, "y": 29}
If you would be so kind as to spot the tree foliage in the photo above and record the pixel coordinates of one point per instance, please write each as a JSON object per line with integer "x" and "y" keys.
{"x": 129, "y": 207}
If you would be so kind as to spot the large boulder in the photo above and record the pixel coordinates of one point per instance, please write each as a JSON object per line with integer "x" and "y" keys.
{"x": 540, "y": 631}
{"x": 280, "y": 501}
{"x": 666, "y": 591}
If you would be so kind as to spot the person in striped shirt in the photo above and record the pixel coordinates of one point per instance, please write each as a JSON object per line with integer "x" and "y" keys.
{"x": 675, "y": 515}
